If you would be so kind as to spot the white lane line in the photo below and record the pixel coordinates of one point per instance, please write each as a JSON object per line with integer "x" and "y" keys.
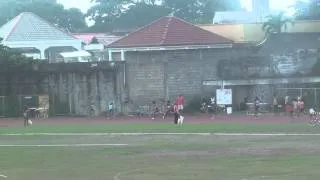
{"x": 119, "y": 174}
{"x": 144, "y": 134}
{"x": 101, "y": 134}
{"x": 59, "y": 145}
{"x": 265, "y": 134}
{"x": 3, "y": 176}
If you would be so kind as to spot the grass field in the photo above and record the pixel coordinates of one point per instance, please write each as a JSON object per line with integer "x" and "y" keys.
{"x": 94, "y": 153}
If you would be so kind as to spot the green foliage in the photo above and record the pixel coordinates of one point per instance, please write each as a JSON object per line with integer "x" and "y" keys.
{"x": 11, "y": 58}
{"x": 128, "y": 14}
{"x": 70, "y": 19}
{"x": 12, "y": 63}
{"x": 276, "y": 24}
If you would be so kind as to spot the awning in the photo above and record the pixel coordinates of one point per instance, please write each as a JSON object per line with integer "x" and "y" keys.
{"x": 75, "y": 54}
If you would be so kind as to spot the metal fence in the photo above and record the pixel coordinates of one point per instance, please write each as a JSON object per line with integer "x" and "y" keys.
{"x": 311, "y": 96}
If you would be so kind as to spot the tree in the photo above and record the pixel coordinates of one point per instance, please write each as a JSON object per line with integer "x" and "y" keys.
{"x": 307, "y": 10}
{"x": 13, "y": 64}
{"x": 70, "y": 19}
{"x": 276, "y": 24}
{"x": 128, "y": 14}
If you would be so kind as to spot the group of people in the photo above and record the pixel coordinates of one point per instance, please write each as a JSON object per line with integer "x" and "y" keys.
{"x": 295, "y": 107}
{"x": 176, "y": 109}
{"x": 292, "y": 107}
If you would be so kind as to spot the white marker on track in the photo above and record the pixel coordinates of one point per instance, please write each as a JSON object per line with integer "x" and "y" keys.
{"x": 3, "y": 176}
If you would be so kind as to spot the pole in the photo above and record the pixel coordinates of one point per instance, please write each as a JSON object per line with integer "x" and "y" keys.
{"x": 315, "y": 97}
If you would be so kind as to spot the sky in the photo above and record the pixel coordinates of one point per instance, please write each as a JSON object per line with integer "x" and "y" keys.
{"x": 84, "y": 5}
{"x": 274, "y": 4}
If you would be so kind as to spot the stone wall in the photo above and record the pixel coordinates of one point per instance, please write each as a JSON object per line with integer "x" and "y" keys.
{"x": 74, "y": 93}
{"x": 160, "y": 75}
{"x": 71, "y": 91}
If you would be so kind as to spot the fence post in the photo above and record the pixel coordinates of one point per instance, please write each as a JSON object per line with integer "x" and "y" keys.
{"x": 300, "y": 92}
{"x": 315, "y": 97}
{"x": 20, "y": 103}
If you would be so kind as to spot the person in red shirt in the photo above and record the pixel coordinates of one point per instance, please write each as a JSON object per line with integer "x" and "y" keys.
{"x": 180, "y": 102}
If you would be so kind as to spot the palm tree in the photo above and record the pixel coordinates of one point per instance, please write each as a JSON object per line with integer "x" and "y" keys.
{"x": 276, "y": 24}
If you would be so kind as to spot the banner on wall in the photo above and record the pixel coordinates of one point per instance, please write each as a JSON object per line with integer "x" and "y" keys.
{"x": 44, "y": 101}
{"x": 224, "y": 96}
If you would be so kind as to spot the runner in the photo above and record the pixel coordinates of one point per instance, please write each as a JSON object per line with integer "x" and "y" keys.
{"x": 26, "y": 116}
{"x": 256, "y": 107}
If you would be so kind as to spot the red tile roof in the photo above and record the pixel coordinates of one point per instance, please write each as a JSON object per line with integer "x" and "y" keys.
{"x": 102, "y": 38}
{"x": 169, "y": 31}
{"x": 85, "y": 37}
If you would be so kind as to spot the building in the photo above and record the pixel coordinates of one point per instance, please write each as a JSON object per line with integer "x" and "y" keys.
{"x": 169, "y": 57}
{"x": 253, "y": 32}
{"x": 96, "y": 43}
{"x": 37, "y": 38}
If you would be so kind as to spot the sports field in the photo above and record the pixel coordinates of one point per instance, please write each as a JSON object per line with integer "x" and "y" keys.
{"x": 236, "y": 148}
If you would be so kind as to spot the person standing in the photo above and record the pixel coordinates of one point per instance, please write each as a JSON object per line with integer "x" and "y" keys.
{"x": 155, "y": 110}
{"x": 275, "y": 105}
{"x": 295, "y": 107}
{"x": 110, "y": 110}
{"x": 26, "y": 116}
{"x": 176, "y": 113}
{"x": 256, "y": 106}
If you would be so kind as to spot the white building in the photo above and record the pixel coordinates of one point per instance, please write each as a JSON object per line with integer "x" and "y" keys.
{"x": 37, "y": 38}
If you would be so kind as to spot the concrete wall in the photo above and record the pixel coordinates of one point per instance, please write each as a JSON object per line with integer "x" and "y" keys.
{"x": 76, "y": 92}
{"x": 71, "y": 93}
{"x": 154, "y": 75}
{"x": 161, "y": 75}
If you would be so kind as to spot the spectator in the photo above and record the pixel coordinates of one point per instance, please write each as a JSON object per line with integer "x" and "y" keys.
{"x": 180, "y": 102}
{"x": 26, "y": 115}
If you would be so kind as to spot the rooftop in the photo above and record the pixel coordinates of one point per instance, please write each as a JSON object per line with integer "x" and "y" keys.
{"x": 169, "y": 31}
{"x": 30, "y": 27}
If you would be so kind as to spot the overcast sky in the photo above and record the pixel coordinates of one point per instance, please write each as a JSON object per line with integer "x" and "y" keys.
{"x": 84, "y": 5}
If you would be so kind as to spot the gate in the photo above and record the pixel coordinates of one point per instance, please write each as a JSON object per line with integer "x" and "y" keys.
{"x": 12, "y": 106}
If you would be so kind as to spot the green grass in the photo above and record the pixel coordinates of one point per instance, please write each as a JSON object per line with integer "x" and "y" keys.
{"x": 159, "y": 157}
{"x": 161, "y": 127}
